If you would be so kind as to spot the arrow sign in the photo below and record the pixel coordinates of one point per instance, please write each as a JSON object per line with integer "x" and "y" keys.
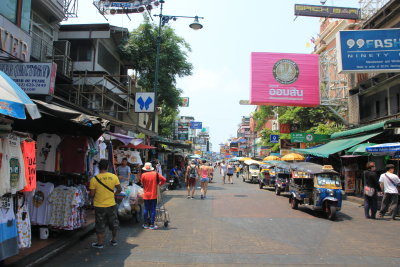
{"x": 144, "y": 102}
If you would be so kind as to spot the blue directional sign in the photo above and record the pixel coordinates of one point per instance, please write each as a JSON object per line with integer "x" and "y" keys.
{"x": 274, "y": 138}
{"x": 196, "y": 125}
{"x": 144, "y": 102}
{"x": 369, "y": 51}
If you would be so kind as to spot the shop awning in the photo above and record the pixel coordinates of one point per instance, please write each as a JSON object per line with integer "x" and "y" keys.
{"x": 379, "y": 126}
{"x": 336, "y": 146}
{"x": 173, "y": 143}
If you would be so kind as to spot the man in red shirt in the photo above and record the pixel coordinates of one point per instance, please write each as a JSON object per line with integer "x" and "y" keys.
{"x": 150, "y": 180}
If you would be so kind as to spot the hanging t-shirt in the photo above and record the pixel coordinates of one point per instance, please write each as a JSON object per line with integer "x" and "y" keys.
{"x": 29, "y": 155}
{"x": 134, "y": 158}
{"x": 23, "y": 224}
{"x": 8, "y": 233}
{"x": 63, "y": 199}
{"x": 39, "y": 206}
{"x": 4, "y": 170}
{"x": 15, "y": 162}
{"x": 73, "y": 154}
{"x": 103, "y": 151}
{"x": 46, "y": 152}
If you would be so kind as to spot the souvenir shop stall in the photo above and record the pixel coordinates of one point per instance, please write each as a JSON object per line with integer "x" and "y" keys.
{"x": 47, "y": 163}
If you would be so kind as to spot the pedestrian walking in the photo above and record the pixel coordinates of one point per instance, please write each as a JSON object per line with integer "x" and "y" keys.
{"x": 204, "y": 172}
{"x": 211, "y": 175}
{"x": 371, "y": 188}
{"x": 230, "y": 169}
{"x": 237, "y": 171}
{"x": 150, "y": 180}
{"x": 389, "y": 182}
{"x": 102, "y": 188}
{"x": 222, "y": 168}
{"x": 192, "y": 172}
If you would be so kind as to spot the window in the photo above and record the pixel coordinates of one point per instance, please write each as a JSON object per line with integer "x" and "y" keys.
{"x": 107, "y": 60}
{"x": 17, "y": 11}
{"x": 377, "y": 108}
{"x": 9, "y": 10}
{"x": 81, "y": 50}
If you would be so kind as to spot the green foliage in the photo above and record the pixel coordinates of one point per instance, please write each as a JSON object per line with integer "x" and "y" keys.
{"x": 141, "y": 49}
{"x": 318, "y": 120}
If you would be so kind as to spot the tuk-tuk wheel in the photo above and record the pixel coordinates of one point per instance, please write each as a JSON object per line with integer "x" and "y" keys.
{"x": 277, "y": 191}
{"x": 330, "y": 211}
{"x": 294, "y": 203}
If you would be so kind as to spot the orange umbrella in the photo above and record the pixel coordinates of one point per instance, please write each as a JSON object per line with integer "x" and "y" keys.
{"x": 271, "y": 158}
{"x": 292, "y": 157}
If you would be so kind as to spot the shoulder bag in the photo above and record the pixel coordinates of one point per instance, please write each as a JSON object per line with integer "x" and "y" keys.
{"x": 100, "y": 182}
{"x": 368, "y": 191}
{"x": 393, "y": 183}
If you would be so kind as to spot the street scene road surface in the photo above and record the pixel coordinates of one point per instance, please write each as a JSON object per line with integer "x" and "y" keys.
{"x": 239, "y": 224}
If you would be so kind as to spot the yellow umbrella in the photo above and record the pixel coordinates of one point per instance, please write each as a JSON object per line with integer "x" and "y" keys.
{"x": 271, "y": 158}
{"x": 292, "y": 157}
{"x": 243, "y": 159}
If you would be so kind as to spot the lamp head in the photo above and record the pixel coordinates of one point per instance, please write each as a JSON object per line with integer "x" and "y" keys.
{"x": 323, "y": 2}
{"x": 196, "y": 24}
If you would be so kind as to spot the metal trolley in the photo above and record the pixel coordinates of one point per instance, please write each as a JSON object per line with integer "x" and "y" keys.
{"x": 162, "y": 215}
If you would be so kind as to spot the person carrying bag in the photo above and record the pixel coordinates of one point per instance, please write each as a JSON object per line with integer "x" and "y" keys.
{"x": 371, "y": 186}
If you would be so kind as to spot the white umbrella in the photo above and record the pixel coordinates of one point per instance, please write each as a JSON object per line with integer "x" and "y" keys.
{"x": 13, "y": 100}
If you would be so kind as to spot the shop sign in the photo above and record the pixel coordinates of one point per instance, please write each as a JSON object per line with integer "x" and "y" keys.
{"x": 182, "y": 129}
{"x": 235, "y": 153}
{"x": 308, "y": 138}
{"x": 282, "y": 79}
{"x": 144, "y": 103}
{"x": 274, "y": 138}
{"x": 287, "y": 144}
{"x": 14, "y": 42}
{"x": 368, "y": 51}
{"x": 184, "y": 102}
{"x": 183, "y": 124}
{"x": 183, "y": 136}
{"x": 33, "y": 78}
{"x": 284, "y": 128}
{"x": 196, "y": 125}
{"x": 327, "y": 11}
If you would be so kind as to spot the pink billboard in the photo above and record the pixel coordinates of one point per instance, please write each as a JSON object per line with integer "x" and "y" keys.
{"x": 281, "y": 79}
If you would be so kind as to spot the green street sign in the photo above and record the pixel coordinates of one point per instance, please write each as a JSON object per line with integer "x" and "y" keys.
{"x": 308, "y": 138}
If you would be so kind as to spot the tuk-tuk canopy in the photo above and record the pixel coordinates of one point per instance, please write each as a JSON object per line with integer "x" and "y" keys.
{"x": 312, "y": 168}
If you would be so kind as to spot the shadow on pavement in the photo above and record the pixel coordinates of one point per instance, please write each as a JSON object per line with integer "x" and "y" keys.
{"x": 320, "y": 214}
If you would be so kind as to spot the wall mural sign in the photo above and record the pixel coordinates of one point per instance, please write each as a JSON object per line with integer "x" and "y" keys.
{"x": 281, "y": 79}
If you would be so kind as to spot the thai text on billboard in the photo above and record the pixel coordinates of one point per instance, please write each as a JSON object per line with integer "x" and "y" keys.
{"x": 280, "y": 79}
{"x": 368, "y": 51}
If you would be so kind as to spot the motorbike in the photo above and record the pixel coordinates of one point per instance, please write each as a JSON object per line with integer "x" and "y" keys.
{"x": 173, "y": 183}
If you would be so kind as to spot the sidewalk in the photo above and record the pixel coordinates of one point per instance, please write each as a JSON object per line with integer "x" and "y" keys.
{"x": 38, "y": 257}
{"x": 354, "y": 199}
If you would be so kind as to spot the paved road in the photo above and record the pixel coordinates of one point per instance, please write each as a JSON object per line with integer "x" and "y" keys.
{"x": 240, "y": 224}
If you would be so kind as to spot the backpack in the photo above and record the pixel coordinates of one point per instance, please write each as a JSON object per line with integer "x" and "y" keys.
{"x": 192, "y": 172}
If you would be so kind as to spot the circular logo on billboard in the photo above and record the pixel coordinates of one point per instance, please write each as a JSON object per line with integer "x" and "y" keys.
{"x": 285, "y": 71}
{"x": 309, "y": 137}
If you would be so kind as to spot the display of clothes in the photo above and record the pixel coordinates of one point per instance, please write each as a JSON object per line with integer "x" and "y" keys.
{"x": 46, "y": 151}
{"x": 133, "y": 156}
{"x": 67, "y": 203}
{"x": 39, "y": 205}
{"x": 8, "y": 232}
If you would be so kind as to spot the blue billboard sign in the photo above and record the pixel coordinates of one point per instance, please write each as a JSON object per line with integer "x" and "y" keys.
{"x": 368, "y": 51}
{"x": 196, "y": 125}
{"x": 274, "y": 138}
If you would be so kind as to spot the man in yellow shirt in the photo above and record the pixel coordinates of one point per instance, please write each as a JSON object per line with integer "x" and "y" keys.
{"x": 102, "y": 191}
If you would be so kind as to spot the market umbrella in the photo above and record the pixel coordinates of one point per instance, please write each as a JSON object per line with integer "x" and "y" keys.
{"x": 13, "y": 100}
{"x": 244, "y": 159}
{"x": 359, "y": 149}
{"x": 292, "y": 157}
{"x": 141, "y": 146}
{"x": 195, "y": 156}
{"x": 271, "y": 158}
{"x": 384, "y": 149}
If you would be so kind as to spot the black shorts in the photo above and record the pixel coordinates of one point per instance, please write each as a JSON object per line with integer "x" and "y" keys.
{"x": 106, "y": 216}
{"x": 230, "y": 174}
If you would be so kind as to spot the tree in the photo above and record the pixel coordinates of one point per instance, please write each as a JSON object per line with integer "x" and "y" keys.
{"x": 140, "y": 49}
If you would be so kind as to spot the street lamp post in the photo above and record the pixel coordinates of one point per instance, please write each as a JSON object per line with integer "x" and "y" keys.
{"x": 164, "y": 19}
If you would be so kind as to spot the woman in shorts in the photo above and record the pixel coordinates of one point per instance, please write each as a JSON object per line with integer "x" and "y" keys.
{"x": 230, "y": 169}
{"x": 204, "y": 171}
{"x": 222, "y": 167}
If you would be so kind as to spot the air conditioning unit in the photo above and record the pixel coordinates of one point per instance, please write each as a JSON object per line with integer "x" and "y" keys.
{"x": 64, "y": 65}
{"x": 62, "y": 48}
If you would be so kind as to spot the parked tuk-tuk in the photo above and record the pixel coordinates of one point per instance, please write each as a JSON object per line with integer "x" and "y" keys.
{"x": 251, "y": 170}
{"x": 266, "y": 177}
{"x": 317, "y": 187}
{"x": 282, "y": 175}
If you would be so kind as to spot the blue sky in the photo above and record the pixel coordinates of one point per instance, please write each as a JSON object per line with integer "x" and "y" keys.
{"x": 221, "y": 50}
